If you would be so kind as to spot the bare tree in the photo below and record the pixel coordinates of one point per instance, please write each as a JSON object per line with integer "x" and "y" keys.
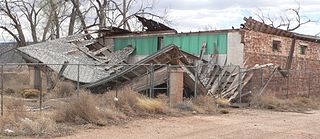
{"x": 50, "y": 19}
{"x": 290, "y": 20}
{"x": 8, "y": 13}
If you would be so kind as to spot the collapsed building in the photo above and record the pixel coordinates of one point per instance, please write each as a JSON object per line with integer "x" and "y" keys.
{"x": 221, "y": 63}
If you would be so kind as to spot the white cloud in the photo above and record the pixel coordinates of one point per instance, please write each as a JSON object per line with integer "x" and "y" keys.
{"x": 192, "y": 15}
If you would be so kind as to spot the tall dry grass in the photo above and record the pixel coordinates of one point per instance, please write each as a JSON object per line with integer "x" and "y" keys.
{"x": 80, "y": 110}
{"x": 296, "y": 104}
{"x": 131, "y": 103}
{"x": 64, "y": 89}
{"x": 204, "y": 104}
{"x": 18, "y": 121}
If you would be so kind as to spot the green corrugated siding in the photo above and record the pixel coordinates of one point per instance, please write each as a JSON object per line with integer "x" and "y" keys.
{"x": 142, "y": 45}
{"x": 192, "y": 43}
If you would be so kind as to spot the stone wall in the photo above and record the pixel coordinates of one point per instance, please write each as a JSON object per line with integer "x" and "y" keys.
{"x": 305, "y": 68}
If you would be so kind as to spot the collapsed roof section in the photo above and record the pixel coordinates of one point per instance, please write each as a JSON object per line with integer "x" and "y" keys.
{"x": 255, "y": 25}
{"x": 168, "y": 55}
{"x": 74, "y": 50}
{"x": 153, "y": 25}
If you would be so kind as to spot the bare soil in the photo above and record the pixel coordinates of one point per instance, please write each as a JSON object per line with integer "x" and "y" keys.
{"x": 239, "y": 123}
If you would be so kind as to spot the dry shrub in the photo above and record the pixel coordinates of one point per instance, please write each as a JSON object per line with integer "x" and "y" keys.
{"x": 131, "y": 103}
{"x": 80, "y": 110}
{"x": 15, "y": 107}
{"x": 296, "y": 104}
{"x": 64, "y": 89}
{"x": 41, "y": 126}
{"x": 9, "y": 91}
{"x": 14, "y": 110}
{"x": 224, "y": 111}
{"x": 185, "y": 106}
{"x": 17, "y": 122}
{"x": 163, "y": 98}
{"x": 127, "y": 101}
{"x": 204, "y": 104}
{"x": 222, "y": 102}
{"x": 29, "y": 93}
{"x": 151, "y": 105}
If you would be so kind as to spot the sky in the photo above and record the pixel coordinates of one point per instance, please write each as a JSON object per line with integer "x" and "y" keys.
{"x": 199, "y": 15}
{"x": 195, "y": 15}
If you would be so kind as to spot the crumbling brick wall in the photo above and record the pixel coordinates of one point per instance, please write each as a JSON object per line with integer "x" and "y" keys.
{"x": 304, "y": 77}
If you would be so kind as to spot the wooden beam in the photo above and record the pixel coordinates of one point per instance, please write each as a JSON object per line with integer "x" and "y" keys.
{"x": 125, "y": 77}
{"x": 135, "y": 73}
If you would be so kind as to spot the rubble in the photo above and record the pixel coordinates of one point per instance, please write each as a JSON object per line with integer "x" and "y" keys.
{"x": 110, "y": 69}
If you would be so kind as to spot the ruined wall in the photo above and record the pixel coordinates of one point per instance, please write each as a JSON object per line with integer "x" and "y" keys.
{"x": 304, "y": 77}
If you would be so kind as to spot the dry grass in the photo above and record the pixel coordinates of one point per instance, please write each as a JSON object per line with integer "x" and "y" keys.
{"x": 151, "y": 105}
{"x": 94, "y": 109}
{"x": 64, "y": 89}
{"x": 29, "y": 93}
{"x": 17, "y": 121}
{"x": 204, "y": 104}
{"x": 296, "y": 104}
{"x": 222, "y": 102}
{"x": 80, "y": 110}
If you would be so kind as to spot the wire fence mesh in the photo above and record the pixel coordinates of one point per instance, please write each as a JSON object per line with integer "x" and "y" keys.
{"x": 35, "y": 83}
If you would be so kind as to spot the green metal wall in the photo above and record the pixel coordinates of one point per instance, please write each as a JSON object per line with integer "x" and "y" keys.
{"x": 192, "y": 43}
{"x": 142, "y": 45}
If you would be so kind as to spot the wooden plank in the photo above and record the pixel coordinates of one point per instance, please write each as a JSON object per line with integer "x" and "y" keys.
{"x": 142, "y": 82}
{"x": 228, "y": 79}
{"x": 216, "y": 83}
{"x": 234, "y": 86}
{"x": 99, "y": 51}
{"x": 245, "y": 82}
{"x": 213, "y": 76}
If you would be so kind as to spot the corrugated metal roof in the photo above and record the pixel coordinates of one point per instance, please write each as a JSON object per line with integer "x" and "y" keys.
{"x": 9, "y": 55}
{"x": 62, "y": 50}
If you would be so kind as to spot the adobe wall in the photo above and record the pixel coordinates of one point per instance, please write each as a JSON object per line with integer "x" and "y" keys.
{"x": 258, "y": 50}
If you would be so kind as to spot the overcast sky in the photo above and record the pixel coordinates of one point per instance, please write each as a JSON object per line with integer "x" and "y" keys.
{"x": 194, "y": 15}
{"x": 197, "y": 15}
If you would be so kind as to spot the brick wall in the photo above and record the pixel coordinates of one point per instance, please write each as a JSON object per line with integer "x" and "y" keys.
{"x": 305, "y": 68}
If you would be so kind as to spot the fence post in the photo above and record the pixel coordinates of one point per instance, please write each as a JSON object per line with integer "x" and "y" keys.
{"x": 196, "y": 82}
{"x": 261, "y": 74}
{"x": 151, "y": 81}
{"x": 78, "y": 80}
{"x": 117, "y": 84}
{"x": 240, "y": 89}
{"x": 2, "y": 90}
{"x": 168, "y": 77}
{"x": 309, "y": 84}
{"x": 40, "y": 89}
{"x": 288, "y": 79}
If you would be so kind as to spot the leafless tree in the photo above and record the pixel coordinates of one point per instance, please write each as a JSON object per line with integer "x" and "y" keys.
{"x": 34, "y": 20}
{"x": 290, "y": 20}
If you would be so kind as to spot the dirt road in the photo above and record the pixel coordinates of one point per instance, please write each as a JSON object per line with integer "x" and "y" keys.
{"x": 246, "y": 124}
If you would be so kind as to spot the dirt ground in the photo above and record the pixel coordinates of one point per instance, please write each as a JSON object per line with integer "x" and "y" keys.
{"x": 246, "y": 123}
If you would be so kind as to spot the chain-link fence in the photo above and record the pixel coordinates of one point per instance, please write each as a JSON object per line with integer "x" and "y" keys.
{"x": 36, "y": 83}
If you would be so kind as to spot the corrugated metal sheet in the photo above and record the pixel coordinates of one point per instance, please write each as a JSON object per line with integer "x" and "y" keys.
{"x": 8, "y": 55}
{"x": 143, "y": 45}
{"x": 59, "y": 51}
{"x": 191, "y": 43}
